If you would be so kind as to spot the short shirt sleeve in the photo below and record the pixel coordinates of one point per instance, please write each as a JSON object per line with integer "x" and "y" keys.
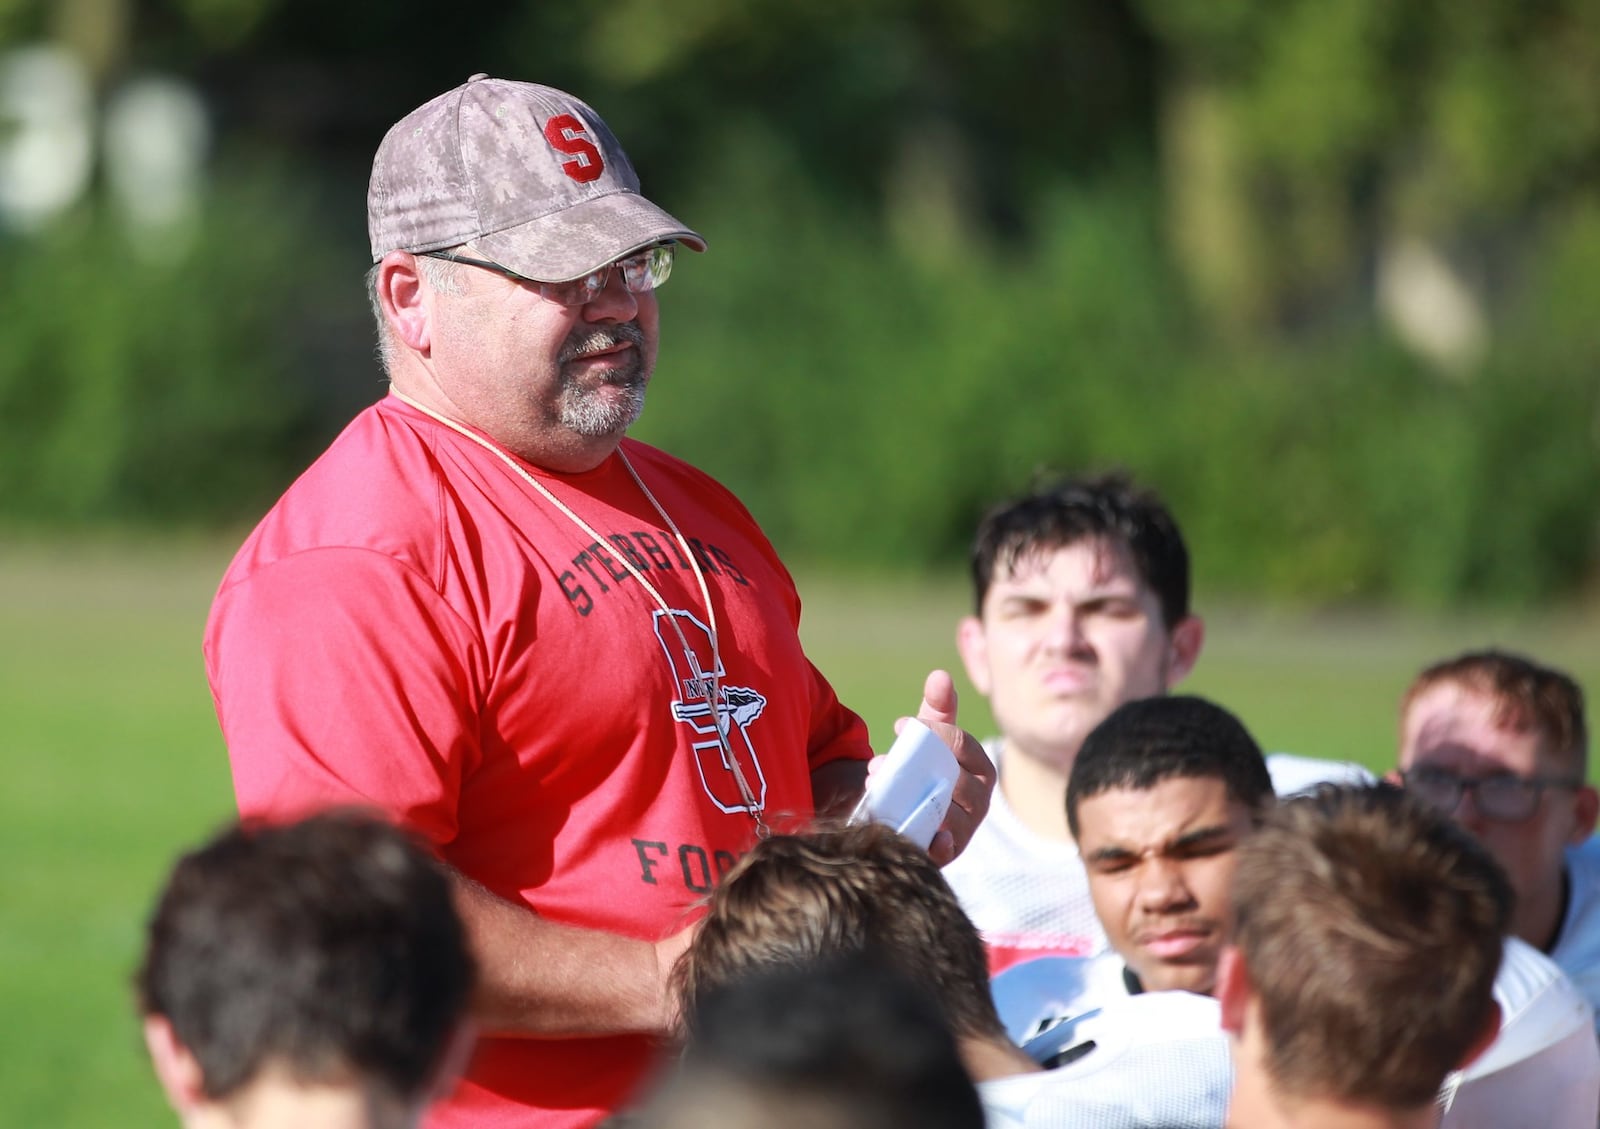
{"x": 342, "y": 677}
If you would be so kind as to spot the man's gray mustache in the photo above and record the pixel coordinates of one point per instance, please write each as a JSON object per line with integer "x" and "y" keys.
{"x": 601, "y": 338}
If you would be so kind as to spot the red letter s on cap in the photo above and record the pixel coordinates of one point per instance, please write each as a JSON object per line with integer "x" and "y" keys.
{"x": 567, "y": 134}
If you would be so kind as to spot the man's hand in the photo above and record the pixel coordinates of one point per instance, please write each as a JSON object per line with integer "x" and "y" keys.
{"x": 970, "y": 803}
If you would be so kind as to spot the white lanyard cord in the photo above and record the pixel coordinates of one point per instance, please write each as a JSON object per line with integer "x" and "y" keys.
{"x": 745, "y": 791}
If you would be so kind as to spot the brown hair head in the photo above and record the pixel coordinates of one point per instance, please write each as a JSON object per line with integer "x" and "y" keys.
{"x": 1371, "y": 929}
{"x": 836, "y": 890}
{"x": 1528, "y": 698}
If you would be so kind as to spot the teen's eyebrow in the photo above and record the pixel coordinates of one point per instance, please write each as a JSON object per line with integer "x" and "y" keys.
{"x": 1103, "y": 597}
{"x": 1023, "y": 596}
{"x": 1110, "y": 854}
{"x": 1199, "y": 837}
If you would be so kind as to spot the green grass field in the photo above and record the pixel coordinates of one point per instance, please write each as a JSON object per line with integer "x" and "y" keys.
{"x": 113, "y": 762}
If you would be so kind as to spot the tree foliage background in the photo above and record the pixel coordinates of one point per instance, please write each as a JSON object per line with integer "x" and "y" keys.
{"x": 1325, "y": 272}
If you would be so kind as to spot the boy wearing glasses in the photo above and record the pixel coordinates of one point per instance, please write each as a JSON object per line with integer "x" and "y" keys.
{"x": 1500, "y": 742}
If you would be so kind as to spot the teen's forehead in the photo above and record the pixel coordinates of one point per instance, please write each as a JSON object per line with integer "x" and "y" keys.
{"x": 1449, "y": 708}
{"x": 1096, "y": 561}
{"x": 1143, "y": 818}
{"x": 1449, "y": 721}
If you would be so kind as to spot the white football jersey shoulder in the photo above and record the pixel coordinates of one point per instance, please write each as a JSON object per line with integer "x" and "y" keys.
{"x": 1006, "y": 1100}
{"x": 1545, "y": 1057}
{"x": 1292, "y": 773}
{"x": 1577, "y": 947}
{"x": 1153, "y": 1061}
{"x": 1028, "y": 895}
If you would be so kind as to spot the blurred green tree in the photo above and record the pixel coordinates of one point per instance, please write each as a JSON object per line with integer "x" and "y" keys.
{"x": 1322, "y": 270}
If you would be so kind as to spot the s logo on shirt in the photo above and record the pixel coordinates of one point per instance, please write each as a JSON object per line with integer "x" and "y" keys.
{"x": 696, "y": 677}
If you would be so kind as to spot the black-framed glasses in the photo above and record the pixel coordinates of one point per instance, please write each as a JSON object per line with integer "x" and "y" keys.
{"x": 641, "y": 271}
{"x": 1503, "y": 797}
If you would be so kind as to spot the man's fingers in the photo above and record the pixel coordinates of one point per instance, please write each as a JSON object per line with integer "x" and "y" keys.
{"x": 938, "y": 698}
{"x": 970, "y": 798}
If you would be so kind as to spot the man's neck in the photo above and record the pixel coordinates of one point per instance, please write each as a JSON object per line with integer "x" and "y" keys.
{"x": 280, "y": 1106}
{"x": 1537, "y": 920}
{"x": 548, "y": 447}
{"x": 989, "y": 1058}
{"x": 1037, "y": 793}
{"x": 1254, "y": 1105}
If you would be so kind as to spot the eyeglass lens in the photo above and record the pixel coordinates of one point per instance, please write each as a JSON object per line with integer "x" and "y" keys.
{"x": 1496, "y": 797}
{"x": 644, "y": 271}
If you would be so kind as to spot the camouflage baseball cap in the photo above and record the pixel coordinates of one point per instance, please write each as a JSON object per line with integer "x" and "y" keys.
{"x": 529, "y": 174}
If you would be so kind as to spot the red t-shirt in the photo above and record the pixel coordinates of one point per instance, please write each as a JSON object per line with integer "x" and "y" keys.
{"x": 413, "y": 626}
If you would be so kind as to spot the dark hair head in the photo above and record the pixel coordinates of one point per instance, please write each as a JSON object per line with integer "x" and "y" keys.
{"x": 326, "y": 947}
{"x": 1146, "y": 741}
{"x": 1110, "y": 508}
{"x": 836, "y": 1042}
{"x": 1371, "y": 928}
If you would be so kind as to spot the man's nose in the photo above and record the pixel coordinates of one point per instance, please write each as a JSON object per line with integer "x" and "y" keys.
{"x": 1467, "y": 813}
{"x": 1162, "y": 888}
{"x": 1064, "y": 631}
{"x": 614, "y": 302}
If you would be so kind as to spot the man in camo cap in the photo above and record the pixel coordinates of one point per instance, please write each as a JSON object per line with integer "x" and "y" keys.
{"x": 566, "y": 658}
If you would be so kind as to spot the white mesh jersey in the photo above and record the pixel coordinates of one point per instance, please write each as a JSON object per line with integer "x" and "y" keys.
{"x": 1154, "y": 1061}
{"x": 1028, "y": 895}
{"x": 1577, "y": 947}
{"x": 1545, "y": 1057}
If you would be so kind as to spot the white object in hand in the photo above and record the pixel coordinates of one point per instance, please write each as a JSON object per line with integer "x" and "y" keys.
{"x": 910, "y": 789}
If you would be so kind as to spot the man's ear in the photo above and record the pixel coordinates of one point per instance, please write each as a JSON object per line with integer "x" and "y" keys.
{"x": 1485, "y": 1037}
{"x": 176, "y": 1068}
{"x": 973, "y": 644}
{"x": 1587, "y": 807}
{"x": 405, "y": 299}
{"x": 1393, "y": 777}
{"x": 1183, "y": 649}
{"x": 1233, "y": 989}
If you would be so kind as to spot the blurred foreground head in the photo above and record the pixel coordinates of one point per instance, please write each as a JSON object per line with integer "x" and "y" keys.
{"x": 841, "y": 1042}
{"x": 1368, "y": 931}
{"x": 313, "y": 970}
{"x": 839, "y": 891}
